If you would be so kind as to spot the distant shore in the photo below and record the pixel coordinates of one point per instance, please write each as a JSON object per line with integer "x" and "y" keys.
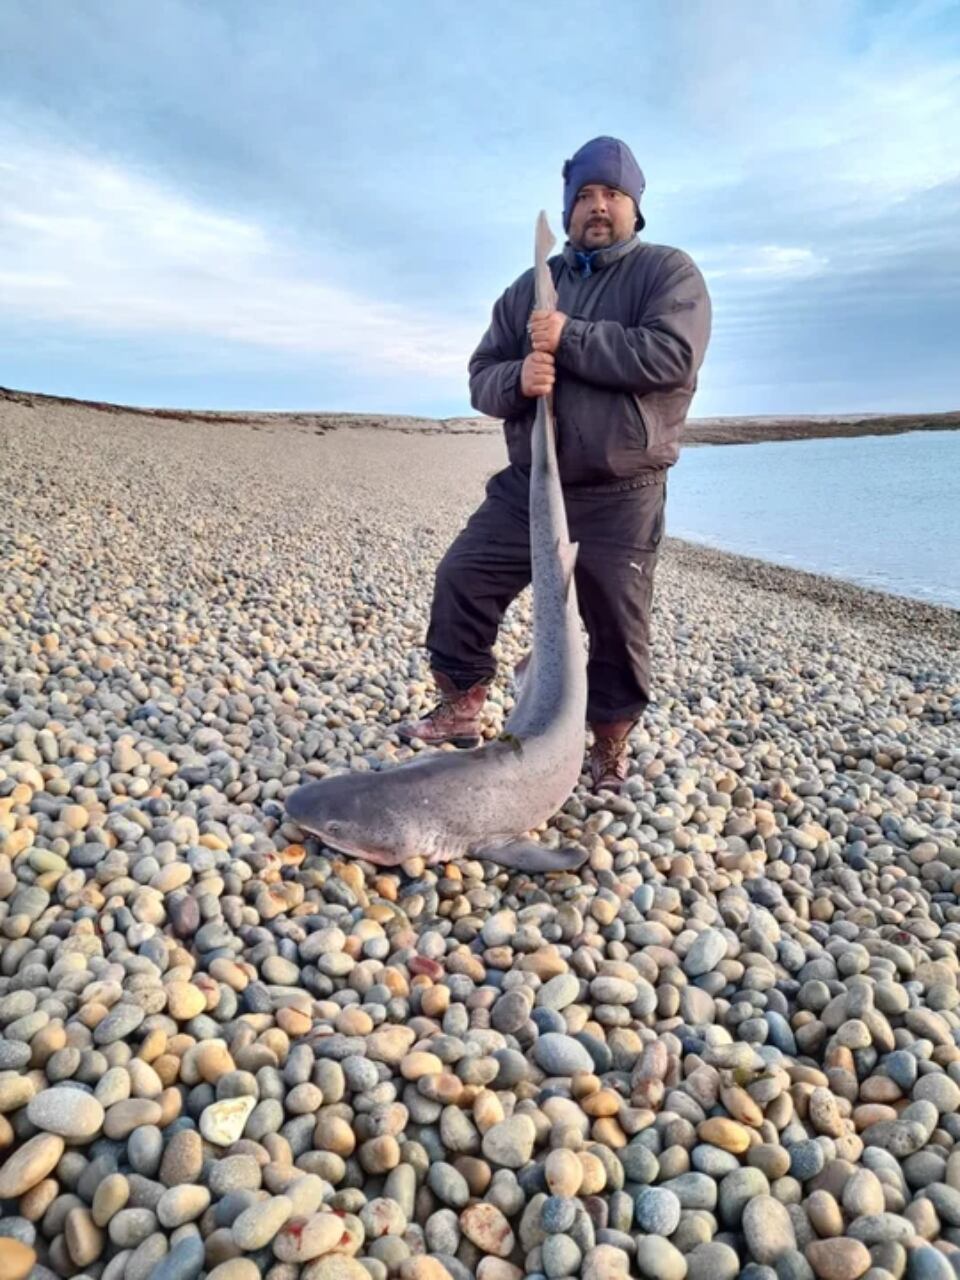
{"x": 699, "y": 431}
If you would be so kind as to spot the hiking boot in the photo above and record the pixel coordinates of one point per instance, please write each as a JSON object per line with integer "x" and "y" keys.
{"x": 455, "y": 718}
{"x": 608, "y": 756}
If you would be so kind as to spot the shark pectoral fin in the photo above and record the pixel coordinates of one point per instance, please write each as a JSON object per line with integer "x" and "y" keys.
{"x": 567, "y": 555}
{"x": 522, "y": 670}
{"x": 527, "y": 855}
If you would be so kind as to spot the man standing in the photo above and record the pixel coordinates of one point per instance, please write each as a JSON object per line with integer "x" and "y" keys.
{"x": 621, "y": 355}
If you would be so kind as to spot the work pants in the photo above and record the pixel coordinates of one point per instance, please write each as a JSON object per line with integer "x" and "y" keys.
{"x": 487, "y": 566}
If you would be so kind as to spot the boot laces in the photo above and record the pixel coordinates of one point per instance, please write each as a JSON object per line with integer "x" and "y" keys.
{"x": 610, "y": 755}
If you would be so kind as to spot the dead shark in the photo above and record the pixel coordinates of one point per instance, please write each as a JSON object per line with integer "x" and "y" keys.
{"x": 480, "y": 803}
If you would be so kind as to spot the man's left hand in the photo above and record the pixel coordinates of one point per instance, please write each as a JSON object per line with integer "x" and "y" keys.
{"x": 545, "y": 328}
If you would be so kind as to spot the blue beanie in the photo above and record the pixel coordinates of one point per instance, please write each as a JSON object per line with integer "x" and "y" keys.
{"x": 604, "y": 160}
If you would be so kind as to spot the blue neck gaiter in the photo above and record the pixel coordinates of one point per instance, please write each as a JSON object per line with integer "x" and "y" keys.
{"x": 585, "y": 260}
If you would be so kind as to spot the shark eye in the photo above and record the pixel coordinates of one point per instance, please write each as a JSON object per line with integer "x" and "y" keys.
{"x": 333, "y": 828}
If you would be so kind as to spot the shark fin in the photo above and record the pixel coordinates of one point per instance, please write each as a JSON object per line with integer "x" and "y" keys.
{"x": 533, "y": 858}
{"x": 567, "y": 554}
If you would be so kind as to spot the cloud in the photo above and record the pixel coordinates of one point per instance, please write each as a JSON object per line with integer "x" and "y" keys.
{"x": 762, "y": 262}
{"x": 85, "y": 242}
{"x": 304, "y": 192}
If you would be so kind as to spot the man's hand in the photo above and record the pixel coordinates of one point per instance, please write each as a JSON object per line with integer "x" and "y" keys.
{"x": 537, "y": 374}
{"x": 545, "y": 328}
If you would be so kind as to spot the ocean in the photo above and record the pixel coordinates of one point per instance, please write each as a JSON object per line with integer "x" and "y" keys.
{"x": 880, "y": 511}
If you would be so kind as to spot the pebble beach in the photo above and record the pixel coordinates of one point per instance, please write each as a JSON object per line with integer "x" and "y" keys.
{"x": 728, "y": 1045}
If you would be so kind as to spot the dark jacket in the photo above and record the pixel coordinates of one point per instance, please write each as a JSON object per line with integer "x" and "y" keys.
{"x": 626, "y": 365}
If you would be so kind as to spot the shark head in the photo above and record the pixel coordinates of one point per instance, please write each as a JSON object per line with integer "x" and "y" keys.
{"x": 344, "y": 812}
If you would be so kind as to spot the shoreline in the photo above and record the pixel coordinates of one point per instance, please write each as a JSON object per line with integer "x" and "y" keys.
{"x": 698, "y": 432}
{"x": 873, "y": 605}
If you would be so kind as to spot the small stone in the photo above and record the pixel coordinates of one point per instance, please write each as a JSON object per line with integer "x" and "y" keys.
{"x": 122, "y": 1019}
{"x": 825, "y": 1214}
{"x": 17, "y": 1260}
{"x": 419, "y": 1268}
{"x": 657, "y": 1211}
{"x": 83, "y": 1237}
{"x": 559, "y": 992}
{"x": 838, "y": 1259}
{"x": 510, "y": 1143}
{"x": 235, "y": 1269}
{"x": 806, "y": 1160}
{"x": 181, "y": 1204}
{"x": 185, "y": 1001}
{"x": 488, "y": 1229}
{"x": 561, "y": 1055}
{"x": 183, "y": 1262}
{"x": 713, "y": 1261}
{"x": 563, "y": 1173}
{"x": 29, "y": 1165}
{"x": 182, "y": 1159}
{"x": 131, "y": 1227}
{"x": 389, "y": 1044}
{"x": 938, "y": 1088}
{"x": 946, "y": 1201}
{"x": 302, "y": 1239}
{"x": 71, "y": 1113}
{"x": 133, "y": 1113}
{"x": 878, "y": 1228}
{"x": 737, "y": 1189}
{"x": 558, "y": 1214}
{"x": 658, "y": 1259}
{"x": 234, "y": 1173}
{"x": 258, "y": 1225}
{"x": 413, "y": 1066}
{"x": 605, "y": 1262}
{"x": 928, "y": 1263}
{"x": 824, "y": 1113}
{"x": 705, "y": 953}
{"x": 109, "y": 1198}
{"x": 768, "y": 1229}
{"x": 448, "y": 1184}
{"x": 560, "y": 1256}
{"x": 728, "y": 1135}
{"x": 223, "y": 1123}
{"x": 335, "y": 1267}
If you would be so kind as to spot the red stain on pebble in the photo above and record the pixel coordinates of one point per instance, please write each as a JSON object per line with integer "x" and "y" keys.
{"x": 424, "y": 965}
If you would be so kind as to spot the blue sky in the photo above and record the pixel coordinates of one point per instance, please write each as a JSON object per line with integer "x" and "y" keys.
{"x": 231, "y": 203}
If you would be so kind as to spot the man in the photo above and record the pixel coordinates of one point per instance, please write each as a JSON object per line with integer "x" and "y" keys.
{"x": 621, "y": 354}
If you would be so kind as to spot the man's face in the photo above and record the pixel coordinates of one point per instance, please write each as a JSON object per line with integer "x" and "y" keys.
{"x": 601, "y": 216}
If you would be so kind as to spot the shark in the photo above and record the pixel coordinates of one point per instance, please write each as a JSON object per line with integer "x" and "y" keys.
{"x": 484, "y": 802}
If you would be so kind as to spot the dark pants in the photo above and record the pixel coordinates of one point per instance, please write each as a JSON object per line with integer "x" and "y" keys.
{"x": 488, "y": 565}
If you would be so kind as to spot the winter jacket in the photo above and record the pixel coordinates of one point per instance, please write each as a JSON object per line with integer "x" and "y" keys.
{"x": 626, "y": 365}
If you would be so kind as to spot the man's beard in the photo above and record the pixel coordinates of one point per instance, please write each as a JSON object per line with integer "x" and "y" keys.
{"x": 601, "y": 230}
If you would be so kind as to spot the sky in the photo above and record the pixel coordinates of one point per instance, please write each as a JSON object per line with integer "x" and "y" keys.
{"x": 302, "y": 205}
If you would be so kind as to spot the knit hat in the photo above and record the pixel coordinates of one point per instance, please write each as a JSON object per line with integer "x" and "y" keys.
{"x": 604, "y": 160}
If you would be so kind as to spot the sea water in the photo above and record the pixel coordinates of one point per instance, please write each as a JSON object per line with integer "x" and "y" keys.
{"x": 881, "y": 511}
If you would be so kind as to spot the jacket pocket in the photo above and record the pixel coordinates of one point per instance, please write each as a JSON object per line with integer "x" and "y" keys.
{"x": 664, "y": 414}
{"x": 635, "y": 411}
{"x": 603, "y": 433}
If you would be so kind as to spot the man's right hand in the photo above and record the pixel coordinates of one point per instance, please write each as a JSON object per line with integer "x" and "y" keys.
{"x": 538, "y": 374}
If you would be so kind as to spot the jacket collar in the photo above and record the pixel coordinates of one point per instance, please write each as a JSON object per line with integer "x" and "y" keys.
{"x": 599, "y": 258}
